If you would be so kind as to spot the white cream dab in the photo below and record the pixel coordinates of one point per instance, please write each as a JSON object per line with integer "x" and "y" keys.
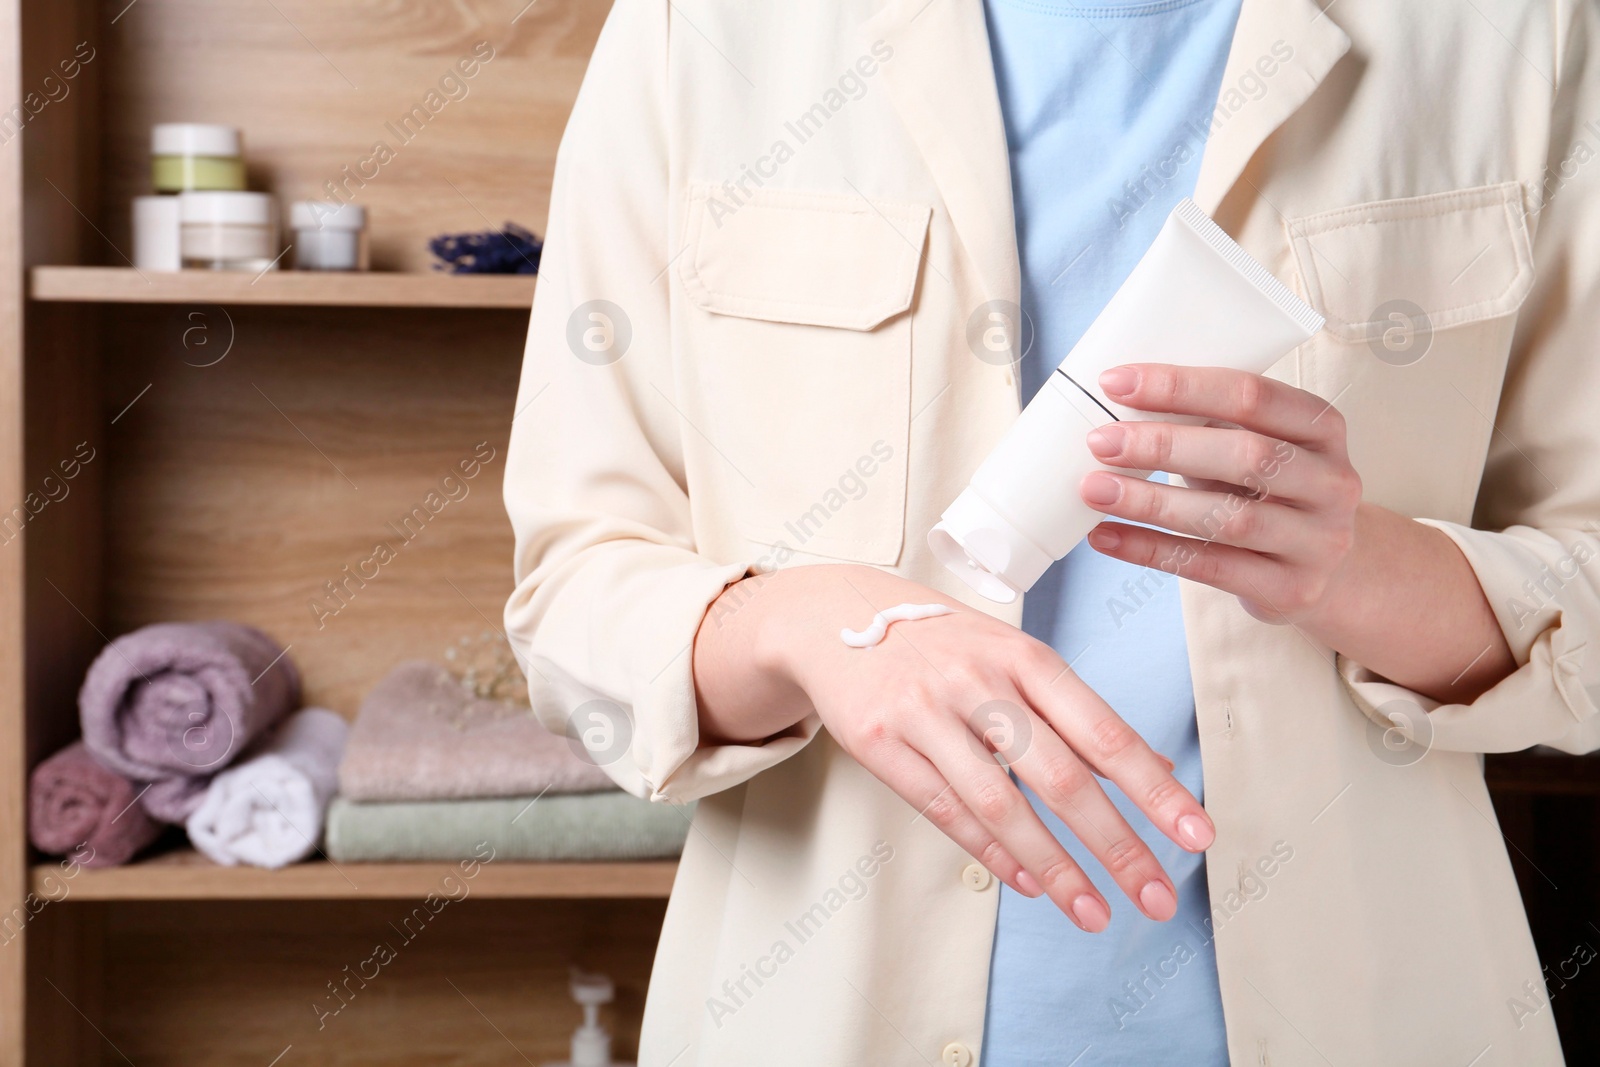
{"x": 879, "y": 629}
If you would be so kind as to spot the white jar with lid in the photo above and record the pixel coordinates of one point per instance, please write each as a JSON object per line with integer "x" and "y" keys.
{"x": 228, "y": 230}
{"x": 328, "y": 236}
{"x": 195, "y": 155}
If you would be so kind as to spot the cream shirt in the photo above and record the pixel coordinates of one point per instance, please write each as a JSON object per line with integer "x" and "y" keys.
{"x": 773, "y": 230}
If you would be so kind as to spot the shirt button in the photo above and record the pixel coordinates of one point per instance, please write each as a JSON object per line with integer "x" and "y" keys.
{"x": 956, "y": 1055}
{"x": 976, "y": 877}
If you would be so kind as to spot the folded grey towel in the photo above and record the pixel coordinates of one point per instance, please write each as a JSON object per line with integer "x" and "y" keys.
{"x": 172, "y": 704}
{"x": 583, "y": 826}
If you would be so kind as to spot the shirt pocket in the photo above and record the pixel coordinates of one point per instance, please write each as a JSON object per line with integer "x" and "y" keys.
{"x": 1420, "y": 296}
{"x": 800, "y": 336}
{"x": 1443, "y": 260}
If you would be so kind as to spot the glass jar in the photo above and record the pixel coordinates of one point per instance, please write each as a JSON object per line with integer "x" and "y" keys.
{"x": 328, "y": 236}
{"x": 195, "y": 156}
{"x": 228, "y": 230}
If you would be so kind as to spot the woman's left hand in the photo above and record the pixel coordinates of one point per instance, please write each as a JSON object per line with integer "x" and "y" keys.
{"x": 1269, "y": 511}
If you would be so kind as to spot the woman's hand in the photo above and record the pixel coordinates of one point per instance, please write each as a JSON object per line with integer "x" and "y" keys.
{"x": 1273, "y": 514}
{"x": 1269, "y": 512}
{"x": 928, "y": 709}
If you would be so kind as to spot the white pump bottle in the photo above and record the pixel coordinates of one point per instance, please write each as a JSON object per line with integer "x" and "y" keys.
{"x": 591, "y": 1044}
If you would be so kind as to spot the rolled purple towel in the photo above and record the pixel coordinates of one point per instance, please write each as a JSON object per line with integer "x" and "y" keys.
{"x": 174, "y": 703}
{"x": 77, "y": 806}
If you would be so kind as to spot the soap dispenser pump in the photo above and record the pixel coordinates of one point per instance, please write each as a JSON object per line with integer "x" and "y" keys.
{"x": 591, "y": 1044}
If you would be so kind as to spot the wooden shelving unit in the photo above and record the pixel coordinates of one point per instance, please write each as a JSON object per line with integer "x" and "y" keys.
{"x": 125, "y": 285}
{"x": 235, "y": 476}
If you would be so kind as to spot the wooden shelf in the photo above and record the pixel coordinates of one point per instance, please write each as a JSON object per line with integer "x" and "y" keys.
{"x": 184, "y": 874}
{"x": 124, "y": 285}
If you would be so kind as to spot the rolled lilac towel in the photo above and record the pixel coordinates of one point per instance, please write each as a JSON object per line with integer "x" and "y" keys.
{"x": 267, "y": 810}
{"x": 421, "y": 735}
{"x": 77, "y": 806}
{"x": 172, "y": 704}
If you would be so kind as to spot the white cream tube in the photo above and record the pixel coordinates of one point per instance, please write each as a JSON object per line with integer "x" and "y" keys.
{"x": 1196, "y": 299}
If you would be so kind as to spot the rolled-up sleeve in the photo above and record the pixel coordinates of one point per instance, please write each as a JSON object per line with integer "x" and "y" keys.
{"x": 1532, "y": 543}
{"x": 610, "y": 587}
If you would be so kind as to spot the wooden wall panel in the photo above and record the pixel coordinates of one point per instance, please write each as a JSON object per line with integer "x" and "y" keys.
{"x": 66, "y": 987}
{"x": 483, "y": 984}
{"x": 315, "y": 84}
{"x": 239, "y": 490}
{"x": 48, "y": 401}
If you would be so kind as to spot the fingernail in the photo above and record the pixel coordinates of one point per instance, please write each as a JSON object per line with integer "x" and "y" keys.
{"x": 1029, "y": 884}
{"x": 1168, "y": 761}
{"x": 1107, "y": 440}
{"x": 1105, "y": 538}
{"x": 1089, "y": 913}
{"x": 1101, "y": 489}
{"x": 1157, "y": 901}
{"x": 1196, "y": 832}
{"x": 1119, "y": 381}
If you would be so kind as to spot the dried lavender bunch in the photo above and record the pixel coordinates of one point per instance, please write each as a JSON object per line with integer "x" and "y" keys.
{"x": 512, "y": 250}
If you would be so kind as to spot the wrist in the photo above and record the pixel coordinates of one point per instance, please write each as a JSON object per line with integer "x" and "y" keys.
{"x": 1348, "y": 601}
{"x": 772, "y": 626}
{"x": 795, "y": 631}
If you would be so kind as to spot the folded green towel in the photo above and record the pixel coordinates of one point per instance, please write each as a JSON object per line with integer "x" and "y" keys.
{"x": 590, "y": 826}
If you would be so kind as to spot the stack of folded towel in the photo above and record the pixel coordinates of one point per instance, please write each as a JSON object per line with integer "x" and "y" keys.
{"x": 433, "y": 771}
{"x": 186, "y": 723}
{"x": 195, "y": 724}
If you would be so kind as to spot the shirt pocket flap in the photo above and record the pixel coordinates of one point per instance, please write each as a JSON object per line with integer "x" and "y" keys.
{"x": 1457, "y": 257}
{"x": 817, "y": 259}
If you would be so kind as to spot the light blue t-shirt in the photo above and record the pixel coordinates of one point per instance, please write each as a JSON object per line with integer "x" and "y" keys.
{"x": 1107, "y": 105}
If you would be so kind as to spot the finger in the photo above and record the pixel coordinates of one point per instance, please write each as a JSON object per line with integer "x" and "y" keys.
{"x": 910, "y": 774}
{"x": 1204, "y": 455}
{"x": 1259, "y": 525}
{"x": 1004, "y": 812}
{"x": 1261, "y": 404}
{"x": 1114, "y": 750}
{"x": 1278, "y": 588}
{"x": 1071, "y": 790}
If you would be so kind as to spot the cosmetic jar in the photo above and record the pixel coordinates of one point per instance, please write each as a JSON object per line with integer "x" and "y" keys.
{"x": 191, "y": 155}
{"x": 155, "y": 233}
{"x": 329, "y": 236}
{"x": 228, "y": 230}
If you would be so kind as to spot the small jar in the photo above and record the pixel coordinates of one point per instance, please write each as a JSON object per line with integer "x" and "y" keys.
{"x": 329, "y": 237}
{"x": 155, "y": 233}
{"x": 192, "y": 155}
{"x": 228, "y": 231}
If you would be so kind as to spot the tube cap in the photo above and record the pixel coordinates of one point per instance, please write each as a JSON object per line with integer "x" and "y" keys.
{"x": 982, "y": 548}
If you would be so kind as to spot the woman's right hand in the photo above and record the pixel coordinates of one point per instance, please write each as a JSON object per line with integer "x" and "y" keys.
{"x": 929, "y": 708}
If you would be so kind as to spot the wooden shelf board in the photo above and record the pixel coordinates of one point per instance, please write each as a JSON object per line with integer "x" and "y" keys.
{"x": 124, "y": 285}
{"x": 184, "y": 874}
